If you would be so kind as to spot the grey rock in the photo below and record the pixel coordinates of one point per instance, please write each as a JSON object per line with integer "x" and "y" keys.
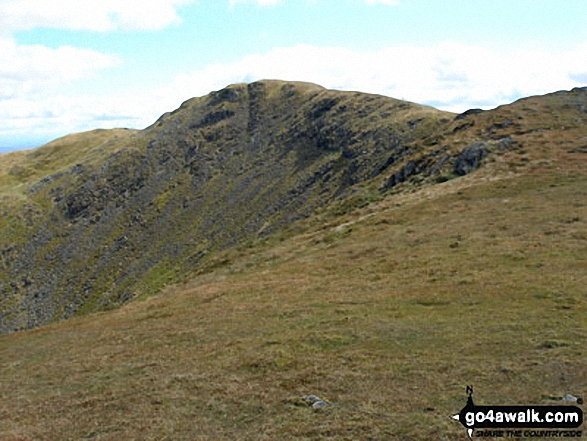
{"x": 414, "y": 122}
{"x": 315, "y": 402}
{"x": 500, "y": 126}
{"x": 320, "y": 405}
{"x": 439, "y": 164}
{"x": 402, "y": 175}
{"x": 470, "y": 158}
{"x": 507, "y": 143}
{"x": 468, "y": 112}
{"x": 311, "y": 399}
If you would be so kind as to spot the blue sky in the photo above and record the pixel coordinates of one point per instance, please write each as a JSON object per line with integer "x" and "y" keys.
{"x": 74, "y": 65}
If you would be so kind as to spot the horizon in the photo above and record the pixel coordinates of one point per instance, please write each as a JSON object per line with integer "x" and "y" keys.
{"x": 73, "y": 66}
{"x": 29, "y": 146}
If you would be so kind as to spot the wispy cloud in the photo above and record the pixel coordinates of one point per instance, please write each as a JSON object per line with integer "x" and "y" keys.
{"x": 454, "y": 76}
{"x": 449, "y": 75}
{"x": 580, "y": 77}
{"x": 94, "y": 15}
{"x": 32, "y": 103}
{"x": 30, "y": 80}
{"x": 28, "y": 68}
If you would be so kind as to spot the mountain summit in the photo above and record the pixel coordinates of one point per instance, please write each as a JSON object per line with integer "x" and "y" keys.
{"x": 95, "y": 219}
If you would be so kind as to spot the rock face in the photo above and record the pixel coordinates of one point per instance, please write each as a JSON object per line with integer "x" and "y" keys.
{"x": 140, "y": 212}
{"x": 470, "y": 158}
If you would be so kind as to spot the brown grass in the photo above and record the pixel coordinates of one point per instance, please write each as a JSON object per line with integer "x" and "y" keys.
{"x": 387, "y": 313}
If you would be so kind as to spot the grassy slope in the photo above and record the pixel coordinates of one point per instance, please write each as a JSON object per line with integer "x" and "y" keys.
{"x": 387, "y": 312}
{"x": 22, "y": 169}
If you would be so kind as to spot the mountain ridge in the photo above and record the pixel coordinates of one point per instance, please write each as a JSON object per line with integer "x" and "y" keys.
{"x": 272, "y": 146}
{"x": 461, "y": 262}
{"x": 123, "y": 213}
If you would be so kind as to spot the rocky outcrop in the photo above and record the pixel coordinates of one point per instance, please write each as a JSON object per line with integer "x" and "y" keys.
{"x": 468, "y": 113}
{"x": 470, "y": 158}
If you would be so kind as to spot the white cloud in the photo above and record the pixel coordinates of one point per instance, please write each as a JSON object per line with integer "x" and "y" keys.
{"x": 32, "y": 100}
{"x": 449, "y": 75}
{"x": 50, "y": 116}
{"x": 452, "y": 76}
{"x": 26, "y": 69}
{"x": 94, "y": 15}
{"x": 31, "y": 81}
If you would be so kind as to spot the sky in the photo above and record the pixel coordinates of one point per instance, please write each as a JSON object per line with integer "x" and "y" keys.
{"x": 74, "y": 65}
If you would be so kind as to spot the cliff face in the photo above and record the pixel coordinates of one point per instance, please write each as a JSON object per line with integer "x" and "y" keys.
{"x": 133, "y": 211}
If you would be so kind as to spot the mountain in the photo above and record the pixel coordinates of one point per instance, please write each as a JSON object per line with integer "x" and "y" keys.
{"x": 378, "y": 254}
{"x": 96, "y": 219}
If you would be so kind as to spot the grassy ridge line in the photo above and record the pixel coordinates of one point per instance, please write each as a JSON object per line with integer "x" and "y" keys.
{"x": 387, "y": 312}
{"x": 27, "y": 167}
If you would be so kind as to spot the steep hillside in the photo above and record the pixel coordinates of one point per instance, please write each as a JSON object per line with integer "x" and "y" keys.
{"x": 385, "y": 311}
{"x": 94, "y": 220}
